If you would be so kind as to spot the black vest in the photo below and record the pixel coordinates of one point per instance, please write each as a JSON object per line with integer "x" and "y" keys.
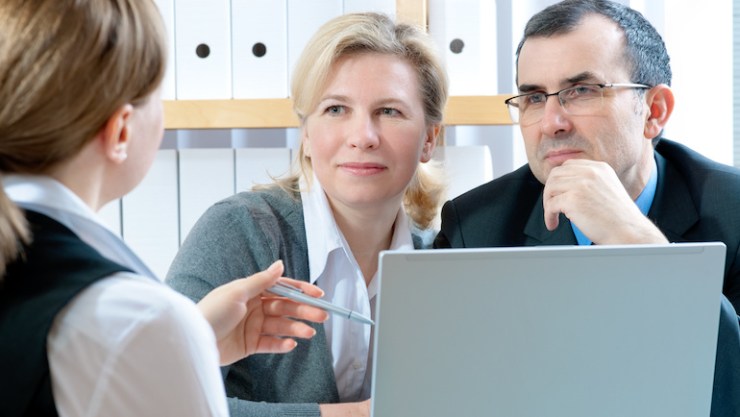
{"x": 53, "y": 269}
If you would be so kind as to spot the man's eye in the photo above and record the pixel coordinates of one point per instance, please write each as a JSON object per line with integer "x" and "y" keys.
{"x": 536, "y": 98}
{"x": 388, "y": 111}
{"x": 583, "y": 91}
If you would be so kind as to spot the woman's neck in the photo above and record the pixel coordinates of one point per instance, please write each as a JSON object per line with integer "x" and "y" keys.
{"x": 367, "y": 233}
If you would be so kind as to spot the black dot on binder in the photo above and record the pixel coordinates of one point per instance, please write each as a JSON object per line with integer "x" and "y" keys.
{"x": 456, "y": 46}
{"x": 259, "y": 49}
{"x": 202, "y": 50}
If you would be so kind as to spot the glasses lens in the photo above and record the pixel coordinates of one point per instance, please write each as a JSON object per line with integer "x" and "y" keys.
{"x": 582, "y": 99}
{"x": 527, "y": 109}
{"x": 513, "y": 112}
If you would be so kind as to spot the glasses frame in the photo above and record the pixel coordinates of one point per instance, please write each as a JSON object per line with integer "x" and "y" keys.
{"x": 513, "y": 106}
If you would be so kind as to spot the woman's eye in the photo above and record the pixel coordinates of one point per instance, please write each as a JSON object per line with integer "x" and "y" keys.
{"x": 335, "y": 109}
{"x": 390, "y": 111}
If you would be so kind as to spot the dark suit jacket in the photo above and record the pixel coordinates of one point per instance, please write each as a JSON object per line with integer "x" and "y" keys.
{"x": 696, "y": 200}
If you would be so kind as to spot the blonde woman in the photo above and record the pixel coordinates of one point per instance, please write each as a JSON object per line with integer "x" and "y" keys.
{"x": 85, "y": 328}
{"x": 370, "y": 96}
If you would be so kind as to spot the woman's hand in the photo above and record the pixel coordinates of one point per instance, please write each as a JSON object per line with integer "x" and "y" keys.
{"x": 246, "y": 320}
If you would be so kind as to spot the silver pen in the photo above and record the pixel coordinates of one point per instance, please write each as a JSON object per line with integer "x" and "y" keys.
{"x": 296, "y": 294}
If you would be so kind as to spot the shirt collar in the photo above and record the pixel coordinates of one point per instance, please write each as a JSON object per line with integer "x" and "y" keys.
{"x": 644, "y": 201}
{"x": 44, "y": 191}
{"x": 53, "y": 199}
{"x": 324, "y": 237}
{"x": 322, "y": 234}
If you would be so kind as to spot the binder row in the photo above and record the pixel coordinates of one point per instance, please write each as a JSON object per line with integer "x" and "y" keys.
{"x": 243, "y": 49}
{"x": 246, "y": 49}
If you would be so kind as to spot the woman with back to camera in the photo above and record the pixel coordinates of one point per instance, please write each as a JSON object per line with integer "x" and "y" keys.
{"x": 85, "y": 328}
{"x": 370, "y": 96}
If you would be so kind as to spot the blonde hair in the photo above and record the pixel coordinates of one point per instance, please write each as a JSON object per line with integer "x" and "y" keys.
{"x": 65, "y": 67}
{"x": 357, "y": 33}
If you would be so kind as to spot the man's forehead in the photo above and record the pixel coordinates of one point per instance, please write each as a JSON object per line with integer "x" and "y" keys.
{"x": 594, "y": 47}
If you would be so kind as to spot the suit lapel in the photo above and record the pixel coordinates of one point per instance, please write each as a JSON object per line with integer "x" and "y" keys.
{"x": 673, "y": 209}
{"x": 537, "y": 233}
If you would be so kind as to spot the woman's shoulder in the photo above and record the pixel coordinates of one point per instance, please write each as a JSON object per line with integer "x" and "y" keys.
{"x": 125, "y": 328}
{"x": 270, "y": 198}
{"x": 113, "y": 309}
{"x": 257, "y": 205}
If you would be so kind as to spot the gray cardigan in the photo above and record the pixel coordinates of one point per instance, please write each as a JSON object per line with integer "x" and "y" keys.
{"x": 238, "y": 237}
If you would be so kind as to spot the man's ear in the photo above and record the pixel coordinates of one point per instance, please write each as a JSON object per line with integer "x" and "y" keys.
{"x": 115, "y": 135}
{"x": 660, "y": 103}
{"x": 430, "y": 142}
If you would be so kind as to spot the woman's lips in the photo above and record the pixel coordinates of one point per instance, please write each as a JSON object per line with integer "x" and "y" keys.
{"x": 362, "y": 168}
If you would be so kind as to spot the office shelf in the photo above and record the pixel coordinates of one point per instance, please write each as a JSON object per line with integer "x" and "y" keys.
{"x": 278, "y": 113}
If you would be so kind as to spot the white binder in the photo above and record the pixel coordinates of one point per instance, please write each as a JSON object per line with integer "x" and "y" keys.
{"x": 465, "y": 32}
{"x": 167, "y": 10}
{"x": 380, "y": 6}
{"x": 150, "y": 225}
{"x": 304, "y": 19}
{"x": 466, "y": 167}
{"x": 203, "y": 49}
{"x": 260, "y": 166}
{"x": 206, "y": 176}
{"x": 259, "y": 48}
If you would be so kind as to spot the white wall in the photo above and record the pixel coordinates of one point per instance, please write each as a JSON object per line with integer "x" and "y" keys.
{"x": 699, "y": 39}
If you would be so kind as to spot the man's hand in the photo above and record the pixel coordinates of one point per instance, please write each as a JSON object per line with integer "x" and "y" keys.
{"x": 590, "y": 194}
{"x": 246, "y": 321}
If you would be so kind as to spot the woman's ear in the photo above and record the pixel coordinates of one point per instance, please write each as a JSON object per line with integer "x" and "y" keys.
{"x": 116, "y": 134}
{"x": 660, "y": 102}
{"x": 305, "y": 141}
{"x": 430, "y": 142}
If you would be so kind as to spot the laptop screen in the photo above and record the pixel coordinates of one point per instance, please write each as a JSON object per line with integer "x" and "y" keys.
{"x": 548, "y": 331}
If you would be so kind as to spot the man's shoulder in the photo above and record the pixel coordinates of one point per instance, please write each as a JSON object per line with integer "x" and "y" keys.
{"x": 682, "y": 155}
{"x": 698, "y": 170}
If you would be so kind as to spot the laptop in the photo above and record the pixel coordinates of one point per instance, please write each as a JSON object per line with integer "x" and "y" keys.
{"x": 564, "y": 331}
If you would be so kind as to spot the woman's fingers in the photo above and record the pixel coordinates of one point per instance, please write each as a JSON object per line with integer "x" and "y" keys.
{"x": 276, "y": 307}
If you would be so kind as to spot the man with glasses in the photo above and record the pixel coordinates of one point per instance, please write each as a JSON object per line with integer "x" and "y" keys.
{"x": 593, "y": 79}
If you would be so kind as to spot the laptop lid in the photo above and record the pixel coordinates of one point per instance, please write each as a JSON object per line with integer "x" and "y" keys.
{"x": 548, "y": 331}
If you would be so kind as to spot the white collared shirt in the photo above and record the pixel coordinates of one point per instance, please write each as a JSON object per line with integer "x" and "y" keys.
{"x": 334, "y": 269}
{"x": 127, "y": 345}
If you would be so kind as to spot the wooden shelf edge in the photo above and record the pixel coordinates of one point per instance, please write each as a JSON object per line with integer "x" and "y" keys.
{"x": 477, "y": 110}
{"x": 278, "y": 113}
{"x": 229, "y": 114}
{"x": 412, "y": 12}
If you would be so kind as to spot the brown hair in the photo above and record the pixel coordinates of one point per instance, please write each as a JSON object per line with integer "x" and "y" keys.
{"x": 65, "y": 67}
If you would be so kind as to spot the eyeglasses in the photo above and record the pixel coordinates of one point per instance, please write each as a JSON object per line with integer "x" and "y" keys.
{"x": 579, "y": 100}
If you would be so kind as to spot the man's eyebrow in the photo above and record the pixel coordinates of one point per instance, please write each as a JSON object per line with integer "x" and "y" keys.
{"x": 528, "y": 88}
{"x": 584, "y": 76}
{"x": 578, "y": 78}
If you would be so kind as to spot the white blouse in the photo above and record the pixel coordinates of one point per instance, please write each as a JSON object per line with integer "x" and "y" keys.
{"x": 334, "y": 269}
